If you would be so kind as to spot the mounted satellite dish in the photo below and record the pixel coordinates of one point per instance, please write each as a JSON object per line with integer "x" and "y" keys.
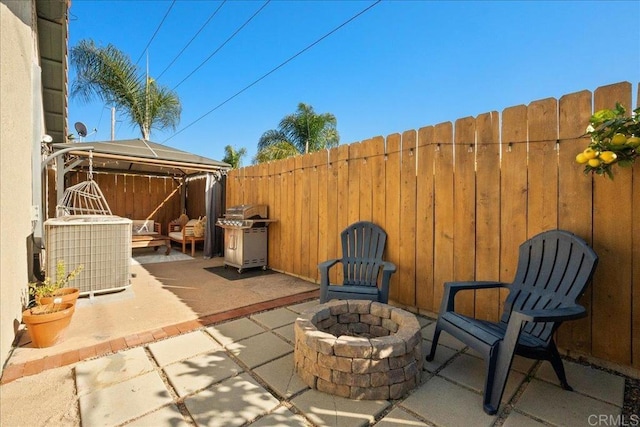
{"x": 81, "y": 129}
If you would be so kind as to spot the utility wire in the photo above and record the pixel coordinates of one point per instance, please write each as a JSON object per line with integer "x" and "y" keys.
{"x": 156, "y": 32}
{"x": 275, "y": 69}
{"x": 192, "y": 39}
{"x": 222, "y": 45}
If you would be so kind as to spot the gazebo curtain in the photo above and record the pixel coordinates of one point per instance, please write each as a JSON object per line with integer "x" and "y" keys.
{"x": 215, "y": 207}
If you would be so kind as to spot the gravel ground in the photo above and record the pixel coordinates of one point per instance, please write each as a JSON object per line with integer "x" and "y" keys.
{"x": 631, "y": 398}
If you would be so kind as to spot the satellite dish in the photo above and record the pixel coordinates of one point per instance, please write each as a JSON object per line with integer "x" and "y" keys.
{"x": 81, "y": 129}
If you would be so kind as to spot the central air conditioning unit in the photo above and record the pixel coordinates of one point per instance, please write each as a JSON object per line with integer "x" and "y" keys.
{"x": 101, "y": 243}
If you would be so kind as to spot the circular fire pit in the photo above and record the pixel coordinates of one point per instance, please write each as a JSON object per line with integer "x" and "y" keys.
{"x": 359, "y": 349}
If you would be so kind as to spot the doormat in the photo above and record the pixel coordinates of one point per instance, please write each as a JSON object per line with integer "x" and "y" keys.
{"x": 231, "y": 273}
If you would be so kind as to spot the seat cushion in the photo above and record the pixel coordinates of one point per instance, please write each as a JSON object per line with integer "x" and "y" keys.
{"x": 176, "y": 235}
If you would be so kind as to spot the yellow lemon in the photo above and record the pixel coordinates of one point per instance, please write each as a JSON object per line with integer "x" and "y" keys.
{"x": 608, "y": 157}
{"x": 581, "y": 158}
{"x": 619, "y": 139}
{"x": 634, "y": 141}
{"x": 590, "y": 153}
{"x": 594, "y": 163}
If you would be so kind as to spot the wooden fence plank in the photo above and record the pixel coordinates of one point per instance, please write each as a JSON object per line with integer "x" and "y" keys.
{"x": 316, "y": 161}
{"x": 444, "y": 206}
{"x": 612, "y": 223}
{"x": 464, "y": 210}
{"x": 635, "y": 304}
{"x": 275, "y": 212}
{"x": 365, "y": 186}
{"x": 392, "y": 223}
{"x": 303, "y": 199}
{"x": 377, "y": 164}
{"x": 353, "y": 183}
{"x": 424, "y": 221}
{"x": 575, "y": 202}
{"x": 407, "y": 241}
{"x": 542, "y": 200}
{"x": 513, "y": 191}
{"x": 487, "y": 242}
{"x": 333, "y": 231}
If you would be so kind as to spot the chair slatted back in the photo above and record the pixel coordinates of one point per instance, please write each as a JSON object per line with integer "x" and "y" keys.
{"x": 554, "y": 269}
{"x": 362, "y": 248}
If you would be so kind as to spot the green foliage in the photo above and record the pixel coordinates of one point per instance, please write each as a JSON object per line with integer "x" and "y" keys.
{"x": 108, "y": 74}
{"x": 303, "y": 132}
{"x": 233, "y": 156}
{"x": 615, "y": 139}
{"x": 51, "y": 285}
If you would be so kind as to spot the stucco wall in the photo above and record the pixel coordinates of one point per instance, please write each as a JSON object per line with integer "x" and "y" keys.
{"x": 18, "y": 55}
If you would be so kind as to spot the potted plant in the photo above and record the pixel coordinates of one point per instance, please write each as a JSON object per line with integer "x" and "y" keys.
{"x": 615, "y": 139}
{"x": 46, "y": 322}
{"x": 58, "y": 290}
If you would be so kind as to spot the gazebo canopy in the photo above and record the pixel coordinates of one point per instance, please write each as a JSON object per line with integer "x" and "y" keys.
{"x": 138, "y": 156}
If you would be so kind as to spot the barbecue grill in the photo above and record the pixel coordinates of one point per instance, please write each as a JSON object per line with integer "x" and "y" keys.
{"x": 245, "y": 236}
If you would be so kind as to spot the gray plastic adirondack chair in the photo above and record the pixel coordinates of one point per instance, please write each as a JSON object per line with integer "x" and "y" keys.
{"x": 554, "y": 269}
{"x": 362, "y": 247}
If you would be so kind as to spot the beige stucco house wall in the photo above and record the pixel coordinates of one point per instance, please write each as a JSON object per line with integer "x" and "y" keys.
{"x": 22, "y": 127}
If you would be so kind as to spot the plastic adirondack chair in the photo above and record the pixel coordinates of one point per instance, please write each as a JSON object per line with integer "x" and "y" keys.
{"x": 362, "y": 247}
{"x": 554, "y": 269}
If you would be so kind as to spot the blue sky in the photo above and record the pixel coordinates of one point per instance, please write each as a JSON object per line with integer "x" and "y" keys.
{"x": 401, "y": 65}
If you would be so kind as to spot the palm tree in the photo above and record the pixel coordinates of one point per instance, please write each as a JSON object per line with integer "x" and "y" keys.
{"x": 108, "y": 74}
{"x": 299, "y": 133}
{"x": 233, "y": 157}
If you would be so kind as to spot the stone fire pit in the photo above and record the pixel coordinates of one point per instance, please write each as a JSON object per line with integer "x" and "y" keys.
{"x": 359, "y": 349}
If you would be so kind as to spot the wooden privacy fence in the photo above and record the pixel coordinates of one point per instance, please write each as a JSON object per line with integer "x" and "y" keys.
{"x": 457, "y": 199}
{"x": 131, "y": 196}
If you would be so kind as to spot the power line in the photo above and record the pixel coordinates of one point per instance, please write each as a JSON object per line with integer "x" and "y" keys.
{"x": 222, "y": 45}
{"x": 192, "y": 39}
{"x": 275, "y": 69}
{"x": 156, "y": 32}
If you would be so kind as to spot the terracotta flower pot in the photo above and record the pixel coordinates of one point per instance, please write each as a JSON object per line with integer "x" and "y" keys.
{"x": 62, "y": 295}
{"x": 46, "y": 329}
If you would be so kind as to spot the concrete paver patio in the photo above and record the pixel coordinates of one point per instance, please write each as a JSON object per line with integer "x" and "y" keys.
{"x": 240, "y": 372}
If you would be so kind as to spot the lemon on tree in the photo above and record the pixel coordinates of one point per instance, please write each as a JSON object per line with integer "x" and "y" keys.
{"x": 615, "y": 140}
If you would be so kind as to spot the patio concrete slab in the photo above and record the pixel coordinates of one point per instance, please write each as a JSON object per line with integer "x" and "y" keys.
{"x": 326, "y": 410}
{"x": 397, "y": 418}
{"x": 559, "y": 407}
{"x": 199, "y": 372}
{"x": 287, "y": 332}
{"x": 165, "y": 416}
{"x": 520, "y": 364}
{"x": 586, "y": 380}
{"x": 442, "y": 356}
{"x": 276, "y": 318}
{"x": 445, "y": 339}
{"x": 191, "y": 379}
{"x": 516, "y": 419}
{"x": 259, "y": 349}
{"x": 304, "y": 306}
{"x": 231, "y": 403}
{"x": 105, "y": 371}
{"x": 182, "y": 347}
{"x": 470, "y": 372}
{"x": 281, "y": 417}
{"x": 281, "y": 377}
{"x": 236, "y": 330}
{"x": 116, "y": 404}
{"x": 446, "y": 404}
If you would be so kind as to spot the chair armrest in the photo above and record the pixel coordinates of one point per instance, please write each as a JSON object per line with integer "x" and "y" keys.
{"x": 388, "y": 266}
{"x": 451, "y": 288}
{"x": 173, "y": 227}
{"x": 552, "y": 315}
{"x": 326, "y": 265}
{"x": 157, "y": 227}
